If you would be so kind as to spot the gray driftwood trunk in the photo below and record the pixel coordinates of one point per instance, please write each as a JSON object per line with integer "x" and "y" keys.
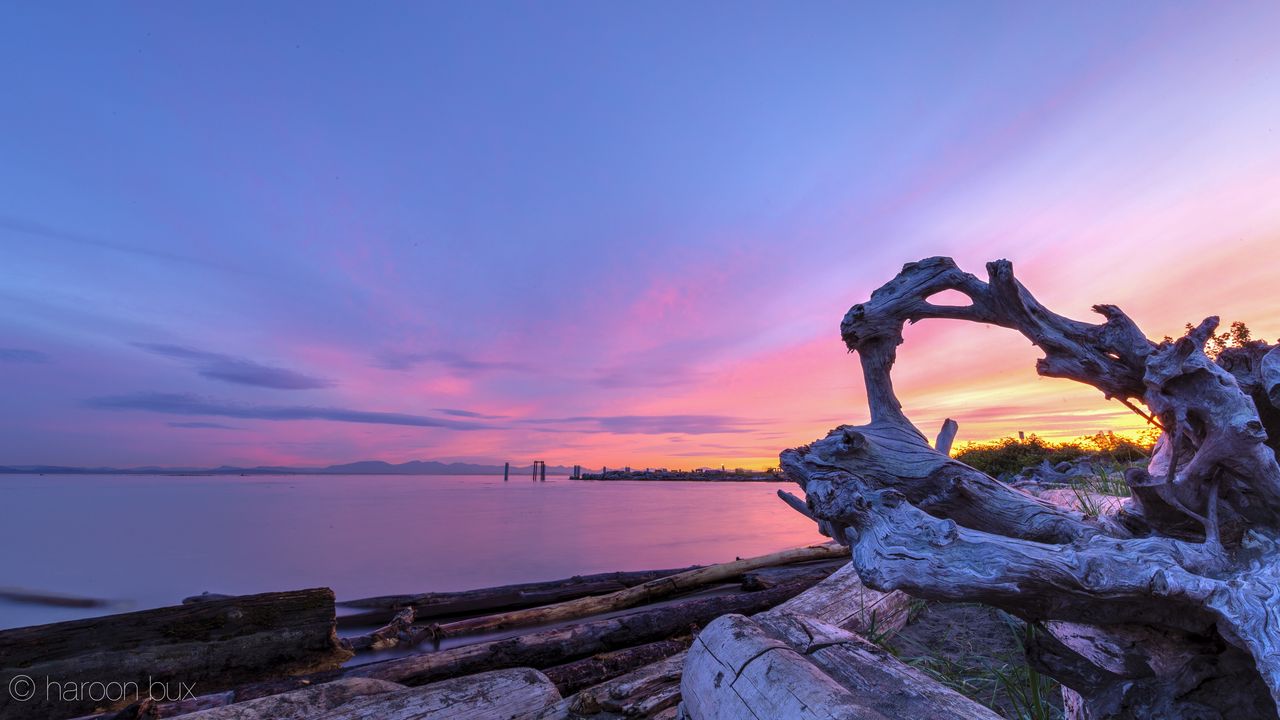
{"x": 1168, "y": 607}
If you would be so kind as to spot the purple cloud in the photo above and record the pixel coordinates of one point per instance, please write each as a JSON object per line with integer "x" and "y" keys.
{"x": 651, "y": 424}
{"x": 19, "y": 355}
{"x": 469, "y": 414}
{"x": 184, "y": 404}
{"x": 238, "y": 370}
{"x": 392, "y": 360}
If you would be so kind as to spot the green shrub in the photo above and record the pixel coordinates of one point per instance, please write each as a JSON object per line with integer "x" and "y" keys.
{"x": 1010, "y": 455}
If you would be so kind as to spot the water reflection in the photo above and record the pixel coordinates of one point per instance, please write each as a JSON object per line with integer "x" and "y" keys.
{"x": 151, "y": 541}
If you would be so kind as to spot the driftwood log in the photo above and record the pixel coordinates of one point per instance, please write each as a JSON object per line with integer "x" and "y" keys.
{"x": 800, "y": 668}
{"x": 400, "y": 629}
{"x": 640, "y": 594}
{"x": 168, "y": 652}
{"x": 640, "y": 693}
{"x": 844, "y": 601}
{"x": 542, "y": 649}
{"x": 809, "y": 659}
{"x": 572, "y": 677}
{"x": 516, "y": 694}
{"x": 1168, "y": 608}
{"x": 765, "y": 578}
{"x": 303, "y": 704}
{"x": 437, "y": 605}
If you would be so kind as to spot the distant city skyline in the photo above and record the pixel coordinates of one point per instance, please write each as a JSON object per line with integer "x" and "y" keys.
{"x": 306, "y": 234}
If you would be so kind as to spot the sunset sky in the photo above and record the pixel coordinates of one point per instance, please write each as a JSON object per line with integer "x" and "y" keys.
{"x": 597, "y": 233}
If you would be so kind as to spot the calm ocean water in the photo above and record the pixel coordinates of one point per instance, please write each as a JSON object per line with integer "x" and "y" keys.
{"x": 146, "y": 541}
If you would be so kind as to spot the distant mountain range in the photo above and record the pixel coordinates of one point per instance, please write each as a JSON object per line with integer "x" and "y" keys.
{"x": 364, "y": 467}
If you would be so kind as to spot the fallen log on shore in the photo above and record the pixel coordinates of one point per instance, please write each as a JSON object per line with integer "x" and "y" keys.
{"x": 553, "y": 647}
{"x": 651, "y": 691}
{"x": 572, "y": 677}
{"x": 768, "y": 577}
{"x": 401, "y": 630}
{"x": 181, "y": 650}
{"x": 427, "y": 606}
{"x": 640, "y": 594}
{"x": 640, "y": 693}
{"x": 516, "y": 694}
{"x": 303, "y": 704}
{"x": 537, "y": 650}
{"x": 387, "y": 636}
{"x": 843, "y": 601}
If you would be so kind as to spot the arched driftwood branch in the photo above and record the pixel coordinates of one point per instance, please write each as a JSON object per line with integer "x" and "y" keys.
{"x": 1168, "y": 608}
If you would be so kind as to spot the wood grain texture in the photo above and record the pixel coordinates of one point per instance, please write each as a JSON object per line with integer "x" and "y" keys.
{"x": 842, "y": 600}
{"x": 789, "y": 666}
{"x": 640, "y": 693}
{"x": 515, "y": 694}
{"x": 303, "y": 704}
{"x": 805, "y": 658}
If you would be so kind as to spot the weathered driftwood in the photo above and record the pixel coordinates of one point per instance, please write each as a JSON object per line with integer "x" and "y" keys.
{"x": 177, "y": 651}
{"x": 538, "y": 649}
{"x": 946, "y": 436}
{"x": 427, "y": 606}
{"x": 1191, "y": 560}
{"x": 640, "y": 594}
{"x": 840, "y": 598}
{"x": 844, "y": 602}
{"x": 393, "y": 633}
{"x": 303, "y": 704}
{"x": 796, "y": 667}
{"x": 516, "y": 694}
{"x": 640, "y": 693}
{"x": 804, "y": 659}
{"x": 556, "y": 646}
{"x": 572, "y": 677}
{"x": 765, "y": 578}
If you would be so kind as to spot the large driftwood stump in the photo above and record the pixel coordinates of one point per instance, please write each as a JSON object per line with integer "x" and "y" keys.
{"x": 1168, "y": 608}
